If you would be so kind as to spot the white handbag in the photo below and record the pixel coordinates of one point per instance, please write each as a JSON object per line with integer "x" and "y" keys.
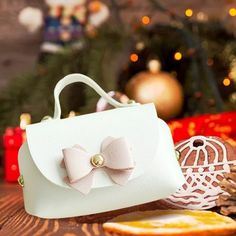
{"x": 129, "y": 144}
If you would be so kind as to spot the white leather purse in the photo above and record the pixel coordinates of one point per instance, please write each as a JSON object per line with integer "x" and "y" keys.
{"x": 97, "y": 162}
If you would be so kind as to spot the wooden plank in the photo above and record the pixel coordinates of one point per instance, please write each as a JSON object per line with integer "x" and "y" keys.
{"x": 15, "y": 221}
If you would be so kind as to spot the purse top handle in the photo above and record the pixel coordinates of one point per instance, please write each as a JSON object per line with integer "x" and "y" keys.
{"x": 76, "y": 77}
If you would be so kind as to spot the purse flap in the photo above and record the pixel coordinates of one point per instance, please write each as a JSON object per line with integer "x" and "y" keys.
{"x": 138, "y": 124}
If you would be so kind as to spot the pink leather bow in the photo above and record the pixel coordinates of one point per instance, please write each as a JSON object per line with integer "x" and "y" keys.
{"x": 114, "y": 157}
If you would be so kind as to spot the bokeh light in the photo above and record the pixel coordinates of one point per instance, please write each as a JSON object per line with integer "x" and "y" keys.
{"x": 146, "y": 20}
{"x": 188, "y": 12}
{"x": 226, "y": 81}
{"x": 178, "y": 56}
{"x": 133, "y": 57}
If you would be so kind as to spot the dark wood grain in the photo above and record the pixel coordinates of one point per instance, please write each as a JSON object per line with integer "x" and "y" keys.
{"x": 15, "y": 221}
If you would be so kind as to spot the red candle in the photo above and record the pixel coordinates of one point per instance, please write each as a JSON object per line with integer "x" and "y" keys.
{"x": 12, "y": 141}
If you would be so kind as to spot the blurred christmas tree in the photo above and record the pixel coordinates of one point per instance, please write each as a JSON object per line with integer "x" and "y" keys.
{"x": 200, "y": 54}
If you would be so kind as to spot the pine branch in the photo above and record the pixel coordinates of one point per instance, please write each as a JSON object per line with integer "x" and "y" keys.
{"x": 227, "y": 201}
{"x": 207, "y": 73}
{"x": 116, "y": 12}
{"x": 158, "y": 6}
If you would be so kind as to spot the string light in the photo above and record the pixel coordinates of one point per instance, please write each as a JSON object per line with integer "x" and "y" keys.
{"x": 133, "y": 57}
{"x": 140, "y": 46}
{"x": 201, "y": 16}
{"x": 72, "y": 114}
{"x": 25, "y": 119}
{"x": 226, "y": 81}
{"x": 178, "y": 56}
{"x": 188, "y": 12}
{"x": 146, "y": 20}
{"x": 232, "y": 11}
{"x": 232, "y": 97}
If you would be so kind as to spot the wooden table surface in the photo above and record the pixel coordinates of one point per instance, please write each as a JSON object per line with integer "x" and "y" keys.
{"x": 15, "y": 221}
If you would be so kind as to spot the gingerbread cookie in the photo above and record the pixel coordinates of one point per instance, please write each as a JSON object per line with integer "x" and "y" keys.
{"x": 203, "y": 160}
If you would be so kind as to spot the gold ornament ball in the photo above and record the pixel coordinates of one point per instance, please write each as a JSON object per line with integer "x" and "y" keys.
{"x": 160, "y": 88}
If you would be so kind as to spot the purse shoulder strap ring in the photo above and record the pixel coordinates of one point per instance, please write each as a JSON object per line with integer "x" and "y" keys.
{"x": 73, "y": 78}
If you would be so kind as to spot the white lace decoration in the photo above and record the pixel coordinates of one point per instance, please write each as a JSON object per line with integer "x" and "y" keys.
{"x": 201, "y": 188}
